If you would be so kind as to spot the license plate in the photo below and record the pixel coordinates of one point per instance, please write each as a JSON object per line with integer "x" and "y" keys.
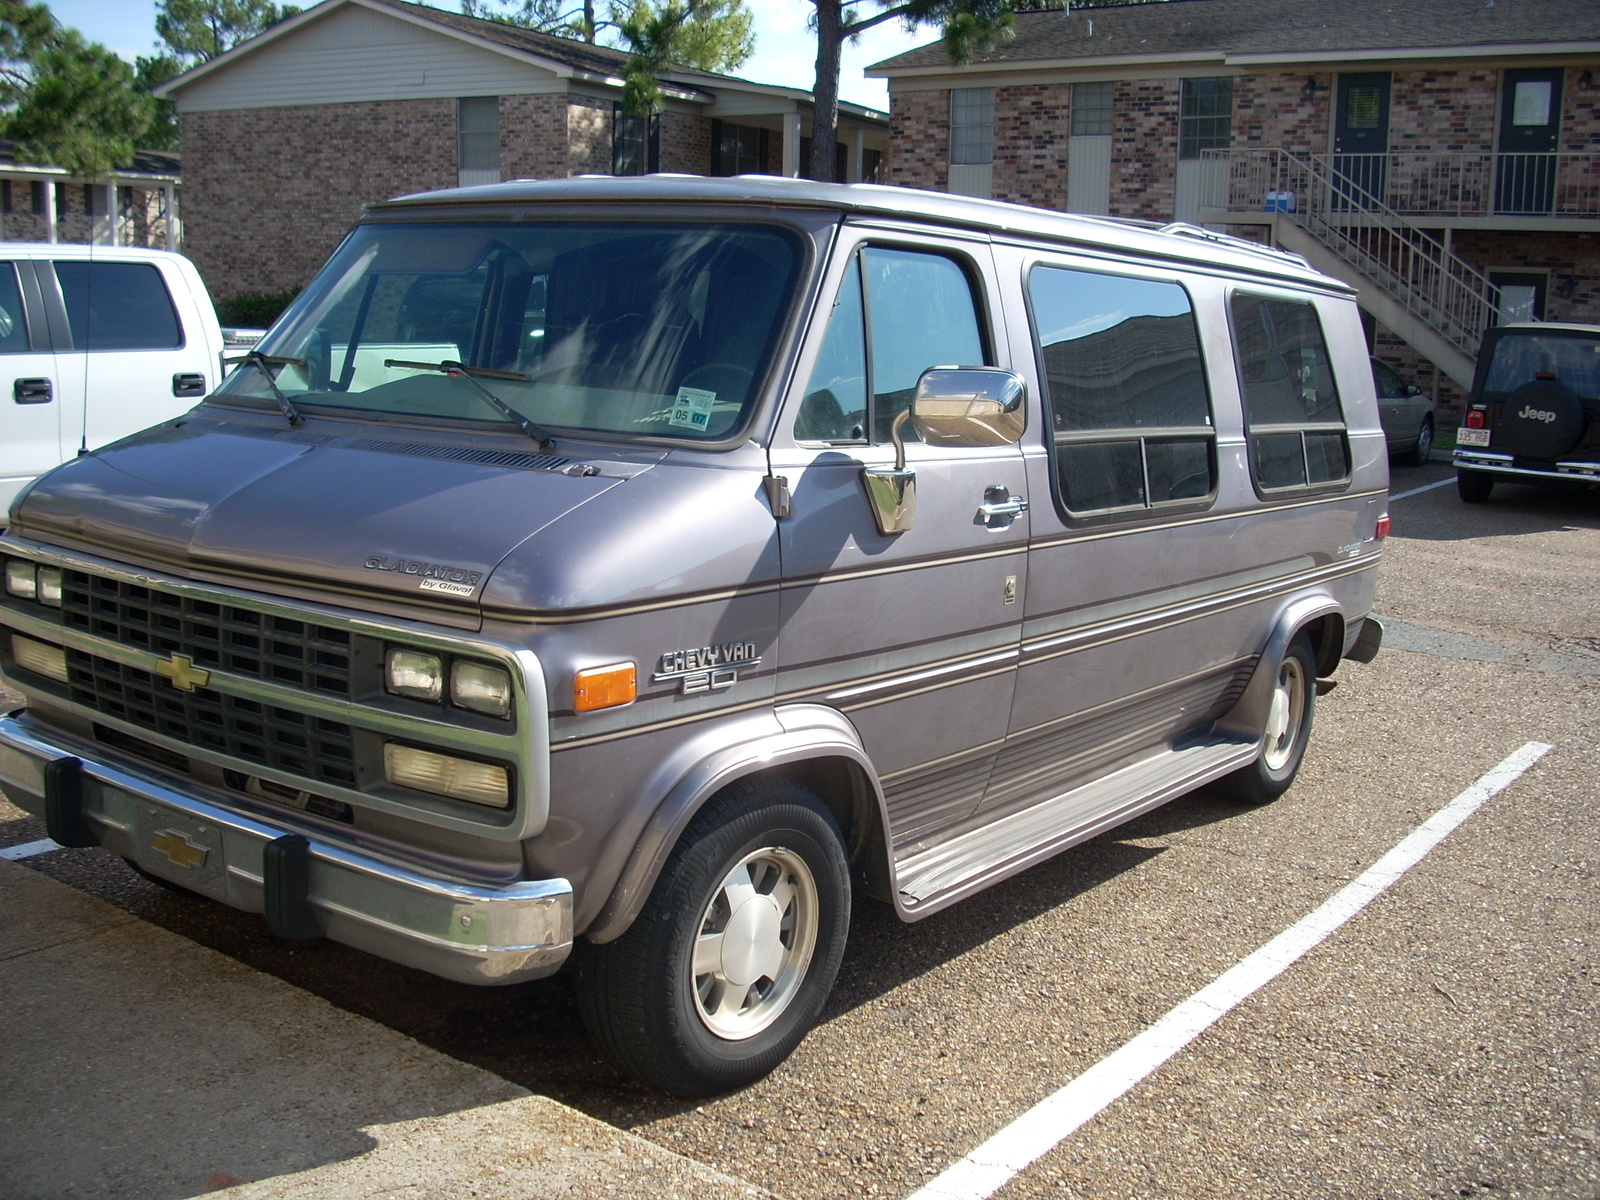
{"x": 180, "y": 848}
{"x": 1472, "y": 437}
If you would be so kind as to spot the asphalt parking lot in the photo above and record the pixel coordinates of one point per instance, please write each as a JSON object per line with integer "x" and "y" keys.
{"x": 1444, "y": 1042}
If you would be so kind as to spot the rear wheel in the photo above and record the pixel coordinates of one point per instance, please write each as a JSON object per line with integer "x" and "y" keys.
{"x": 729, "y": 963}
{"x": 1288, "y": 729}
{"x": 1474, "y": 486}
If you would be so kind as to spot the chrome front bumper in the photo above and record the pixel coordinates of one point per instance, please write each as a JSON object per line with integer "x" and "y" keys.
{"x": 306, "y": 887}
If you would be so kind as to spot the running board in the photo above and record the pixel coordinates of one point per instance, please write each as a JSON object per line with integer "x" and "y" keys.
{"x": 934, "y": 879}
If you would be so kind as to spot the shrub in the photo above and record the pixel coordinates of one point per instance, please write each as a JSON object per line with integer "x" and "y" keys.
{"x": 254, "y": 310}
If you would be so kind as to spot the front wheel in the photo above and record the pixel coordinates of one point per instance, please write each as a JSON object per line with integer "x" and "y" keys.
{"x": 1474, "y": 486}
{"x": 729, "y": 963}
{"x": 1288, "y": 731}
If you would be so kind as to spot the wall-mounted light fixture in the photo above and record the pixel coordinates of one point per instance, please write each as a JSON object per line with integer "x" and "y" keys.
{"x": 1309, "y": 92}
{"x": 1585, "y": 81}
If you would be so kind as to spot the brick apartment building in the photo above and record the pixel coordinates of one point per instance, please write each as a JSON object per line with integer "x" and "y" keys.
{"x": 1443, "y": 156}
{"x": 134, "y": 206}
{"x": 286, "y": 136}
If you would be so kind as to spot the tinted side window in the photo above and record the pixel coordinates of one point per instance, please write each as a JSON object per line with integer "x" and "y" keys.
{"x": 1130, "y": 413}
{"x": 13, "y": 318}
{"x": 921, "y": 312}
{"x": 118, "y": 306}
{"x": 1293, "y": 420}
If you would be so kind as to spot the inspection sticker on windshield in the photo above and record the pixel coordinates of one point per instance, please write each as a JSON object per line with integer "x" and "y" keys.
{"x": 692, "y": 409}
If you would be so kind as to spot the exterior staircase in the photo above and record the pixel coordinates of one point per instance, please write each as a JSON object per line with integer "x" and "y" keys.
{"x": 1405, "y": 277}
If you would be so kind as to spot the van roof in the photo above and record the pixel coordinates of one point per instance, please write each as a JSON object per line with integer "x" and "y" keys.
{"x": 1188, "y": 243}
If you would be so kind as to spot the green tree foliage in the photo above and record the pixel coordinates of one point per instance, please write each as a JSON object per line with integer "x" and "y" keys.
{"x": 149, "y": 74}
{"x": 967, "y": 26}
{"x": 64, "y": 100}
{"x": 199, "y": 30}
{"x": 711, "y": 35}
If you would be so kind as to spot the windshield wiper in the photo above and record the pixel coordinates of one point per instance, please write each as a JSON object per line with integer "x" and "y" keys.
{"x": 264, "y": 363}
{"x": 459, "y": 370}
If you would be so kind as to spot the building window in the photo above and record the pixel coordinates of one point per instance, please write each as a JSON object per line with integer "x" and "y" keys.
{"x": 871, "y": 165}
{"x": 971, "y": 126}
{"x": 1293, "y": 421}
{"x": 635, "y": 143}
{"x": 1125, "y": 386}
{"x": 738, "y": 149}
{"x": 1091, "y": 109}
{"x": 478, "y": 140}
{"x": 93, "y": 200}
{"x": 38, "y": 189}
{"x": 1205, "y": 117}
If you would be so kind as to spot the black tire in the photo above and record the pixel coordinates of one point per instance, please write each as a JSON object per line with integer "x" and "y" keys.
{"x": 1282, "y": 750}
{"x": 691, "y": 1034}
{"x": 1541, "y": 419}
{"x": 1474, "y": 486}
{"x": 1417, "y": 456}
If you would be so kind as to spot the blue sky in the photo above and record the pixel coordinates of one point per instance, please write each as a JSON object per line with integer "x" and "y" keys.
{"x": 785, "y": 51}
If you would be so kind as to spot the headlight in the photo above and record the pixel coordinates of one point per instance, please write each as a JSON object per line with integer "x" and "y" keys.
{"x": 411, "y": 673}
{"x": 50, "y": 586}
{"x": 39, "y": 657}
{"x": 22, "y": 579}
{"x": 458, "y": 778}
{"x": 481, "y": 688}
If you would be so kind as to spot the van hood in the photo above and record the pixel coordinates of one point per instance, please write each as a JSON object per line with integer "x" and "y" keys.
{"x": 341, "y": 512}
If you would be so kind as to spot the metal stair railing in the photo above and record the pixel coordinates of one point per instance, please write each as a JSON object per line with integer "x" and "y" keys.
{"x": 1332, "y": 198}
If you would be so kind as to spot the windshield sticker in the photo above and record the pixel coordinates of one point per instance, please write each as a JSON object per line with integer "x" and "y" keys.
{"x": 693, "y": 409}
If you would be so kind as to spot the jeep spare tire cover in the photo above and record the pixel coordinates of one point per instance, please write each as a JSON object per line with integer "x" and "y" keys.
{"x": 1542, "y": 419}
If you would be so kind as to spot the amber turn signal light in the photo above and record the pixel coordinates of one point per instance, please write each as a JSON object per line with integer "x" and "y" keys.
{"x": 604, "y": 687}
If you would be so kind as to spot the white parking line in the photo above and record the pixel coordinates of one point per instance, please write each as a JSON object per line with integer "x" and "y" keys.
{"x": 1039, "y": 1130}
{"x": 28, "y": 849}
{"x": 1427, "y": 487}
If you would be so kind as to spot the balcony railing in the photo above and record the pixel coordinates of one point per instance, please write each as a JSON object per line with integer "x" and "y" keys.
{"x": 1436, "y": 185}
{"x": 1329, "y": 197}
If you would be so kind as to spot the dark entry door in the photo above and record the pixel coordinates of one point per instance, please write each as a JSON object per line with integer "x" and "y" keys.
{"x": 1530, "y": 124}
{"x": 1361, "y": 139}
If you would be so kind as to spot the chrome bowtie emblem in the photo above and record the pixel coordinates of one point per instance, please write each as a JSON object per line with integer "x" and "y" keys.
{"x": 178, "y": 848}
{"x": 181, "y": 672}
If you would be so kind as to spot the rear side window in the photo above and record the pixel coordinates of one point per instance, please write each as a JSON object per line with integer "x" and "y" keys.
{"x": 921, "y": 311}
{"x": 1130, "y": 415}
{"x": 1293, "y": 421}
{"x": 13, "y": 319}
{"x": 118, "y": 306}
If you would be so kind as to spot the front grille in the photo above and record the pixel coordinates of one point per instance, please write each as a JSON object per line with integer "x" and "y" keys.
{"x": 303, "y": 745}
{"x": 297, "y": 654}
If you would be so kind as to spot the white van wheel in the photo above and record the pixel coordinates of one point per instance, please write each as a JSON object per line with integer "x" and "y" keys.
{"x": 1287, "y": 731}
{"x": 729, "y": 963}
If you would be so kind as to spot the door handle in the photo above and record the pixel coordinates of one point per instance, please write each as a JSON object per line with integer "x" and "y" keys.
{"x": 31, "y": 391}
{"x": 1000, "y": 505}
{"x": 188, "y": 385}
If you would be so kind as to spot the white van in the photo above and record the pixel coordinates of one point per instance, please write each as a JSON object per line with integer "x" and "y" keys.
{"x": 98, "y": 342}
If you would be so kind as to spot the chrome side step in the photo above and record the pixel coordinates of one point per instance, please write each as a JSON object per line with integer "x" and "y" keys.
{"x": 936, "y": 878}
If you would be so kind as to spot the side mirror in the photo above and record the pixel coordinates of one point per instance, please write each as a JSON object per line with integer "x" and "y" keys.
{"x": 969, "y": 406}
{"x": 1412, "y": 389}
{"x": 953, "y": 406}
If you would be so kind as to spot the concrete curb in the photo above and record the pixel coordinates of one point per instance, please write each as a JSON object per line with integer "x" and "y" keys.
{"x": 138, "y": 1065}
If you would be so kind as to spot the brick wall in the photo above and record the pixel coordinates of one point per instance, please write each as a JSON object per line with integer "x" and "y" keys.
{"x": 1432, "y": 112}
{"x": 533, "y": 137}
{"x": 919, "y": 140}
{"x": 1031, "y": 127}
{"x": 685, "y": 143}
{"x": 1272, "y": 110}
{"x": 588, "y": 136}
{"x": 268, "y": 193}
{"x": 1144, "y": 148}
{"x": 1572, "y": 260}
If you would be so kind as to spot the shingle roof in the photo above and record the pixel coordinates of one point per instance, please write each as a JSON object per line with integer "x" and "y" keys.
{"x": 1229, "y": 28}
{"x": 150, "y": 162}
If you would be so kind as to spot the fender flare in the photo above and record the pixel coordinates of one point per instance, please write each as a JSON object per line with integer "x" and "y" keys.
{"x": 1248, "y": 717}
{"x": 785, "y": 736}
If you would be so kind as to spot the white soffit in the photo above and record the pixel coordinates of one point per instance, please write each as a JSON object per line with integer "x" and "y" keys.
{"x": 355, "y": 54}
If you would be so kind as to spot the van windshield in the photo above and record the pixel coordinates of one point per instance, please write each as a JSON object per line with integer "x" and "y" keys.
{"x": 1519, "y": 358}
{"x": 659, "y": 329}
